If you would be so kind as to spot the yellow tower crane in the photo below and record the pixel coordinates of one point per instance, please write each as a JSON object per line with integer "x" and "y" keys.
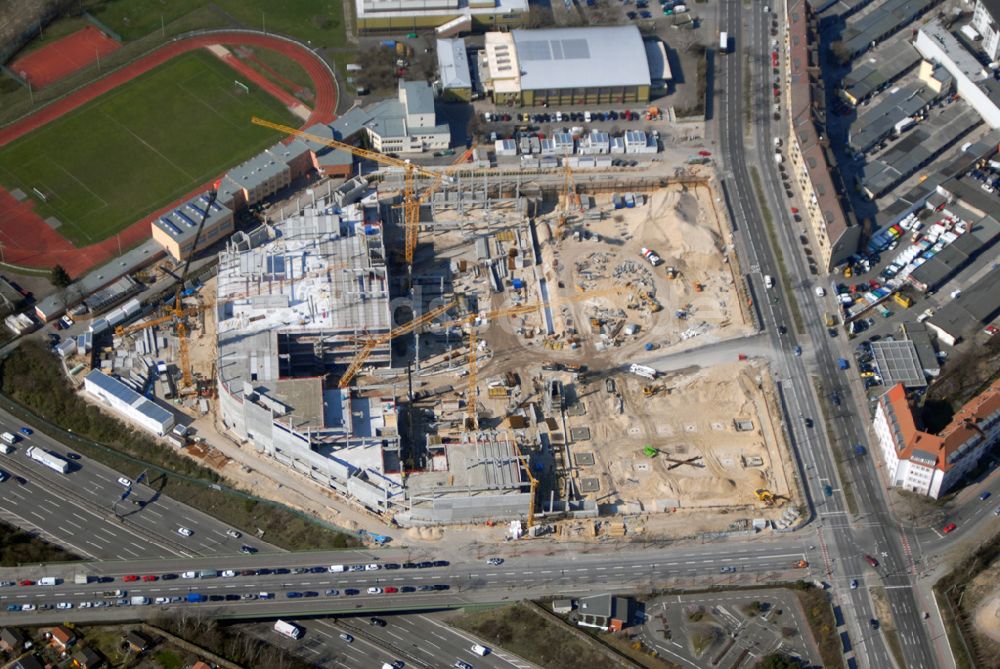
{"x": 373, "y": 343}
{"x": 411, "y": 203}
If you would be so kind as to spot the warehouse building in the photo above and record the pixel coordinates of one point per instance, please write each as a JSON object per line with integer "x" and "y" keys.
{"x": 892, "y": 115}
{"x": 567, "y": 66}
{"x": 128, "y": 403}
{"x": 453, "y": 68}
{"x": 891, "y": 16}
{"x": 976, "y": 306}
{"x": 887, "y": 64}
{"x": 932, "y": 464}
{"x": 400, "y": 16}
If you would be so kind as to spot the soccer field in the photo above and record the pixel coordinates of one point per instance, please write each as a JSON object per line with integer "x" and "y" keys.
{"x": 141, "y": 146}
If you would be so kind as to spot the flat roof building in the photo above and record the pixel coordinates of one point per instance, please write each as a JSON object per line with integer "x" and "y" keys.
{"x": 973, "y": 81}
{"x": 400, "y": 16}
{"x": 127, "y": 402}
{"x": 863, "y": 33}
{"x": 878, "y": 70}
{"x": 986, "y": 21}
{"x": 567, "y": 66}
{"x": 407, "y": 124}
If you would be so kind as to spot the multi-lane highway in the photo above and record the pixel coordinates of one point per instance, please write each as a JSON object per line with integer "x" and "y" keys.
{"x": 844, "y": 542}
{"x": 82, "y": 509}
{"x": 454, "y": 584}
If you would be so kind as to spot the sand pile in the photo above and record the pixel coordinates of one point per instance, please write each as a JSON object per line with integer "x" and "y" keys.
{"x": 674, "y": 216}
{"x": 425, "y": 533}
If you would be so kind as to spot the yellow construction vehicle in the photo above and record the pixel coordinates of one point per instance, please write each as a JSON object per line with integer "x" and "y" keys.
{"x": 801, "y": 564}
{"x": 411, "y": 203}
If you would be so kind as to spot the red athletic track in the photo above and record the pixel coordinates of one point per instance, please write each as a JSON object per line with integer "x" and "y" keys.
{"x": 28, "y": 240}
{"x": 64, "y": 56}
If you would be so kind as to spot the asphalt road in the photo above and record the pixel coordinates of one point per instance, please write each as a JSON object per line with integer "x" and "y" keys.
{"x": 843, "y": 542}
{"x": 472, "y": 581}
{"x": 82, "y": 511}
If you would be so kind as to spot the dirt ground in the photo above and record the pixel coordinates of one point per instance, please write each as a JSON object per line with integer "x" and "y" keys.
{"x": 714, "y": 441}
{"x": 982, "y": 600}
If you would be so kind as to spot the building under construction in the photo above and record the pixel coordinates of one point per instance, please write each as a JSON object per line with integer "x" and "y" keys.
{"x": 296, "y": 302}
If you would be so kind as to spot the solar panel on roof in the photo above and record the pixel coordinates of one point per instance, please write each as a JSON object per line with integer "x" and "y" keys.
{"x": 171, "y": 228}
{"x": 185, "y": 218}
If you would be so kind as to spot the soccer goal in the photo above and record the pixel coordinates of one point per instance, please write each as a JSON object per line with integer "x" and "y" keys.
{"x": 240, "y": 87}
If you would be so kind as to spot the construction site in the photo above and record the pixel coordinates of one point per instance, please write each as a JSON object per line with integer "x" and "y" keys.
{"x": 446, "y": 347}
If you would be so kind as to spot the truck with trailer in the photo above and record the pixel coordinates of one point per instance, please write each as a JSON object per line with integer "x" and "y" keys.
{"x": 48, "y": 459}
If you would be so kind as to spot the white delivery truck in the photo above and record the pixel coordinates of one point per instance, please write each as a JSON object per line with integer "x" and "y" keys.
{"x": 724, "y": 42}
{"x": 9, "y": 438}
{"x": 49, "y": 580}
{"x": 479, "y": 649}
{"x": 288, "y": 629}
{"x": 336, "y": 568}
{"x": 48, "y": 459}
{"x": 139, "y": 600}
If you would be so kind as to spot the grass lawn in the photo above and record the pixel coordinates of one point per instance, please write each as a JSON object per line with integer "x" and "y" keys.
{"x": 109, "y": 163}
{"x": 318, "y": 21}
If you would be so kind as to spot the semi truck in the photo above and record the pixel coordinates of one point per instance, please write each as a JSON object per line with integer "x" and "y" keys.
{"x": 48, "y": 459}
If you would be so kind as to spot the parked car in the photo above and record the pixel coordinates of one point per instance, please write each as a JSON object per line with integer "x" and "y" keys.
{"x": 949, "y": 528}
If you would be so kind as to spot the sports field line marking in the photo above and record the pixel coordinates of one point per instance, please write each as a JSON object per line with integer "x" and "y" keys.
{"x": 183, "y": 86}
{"x": 147, "y": 144}
{"x": 104, "y": 203}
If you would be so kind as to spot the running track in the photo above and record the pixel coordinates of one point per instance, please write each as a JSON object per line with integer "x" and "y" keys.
{"x": 38, "y": 245}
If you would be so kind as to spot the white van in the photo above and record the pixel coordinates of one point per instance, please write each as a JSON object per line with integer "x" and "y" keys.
{"x": 479, "y": 650}
{"x": 48, "y": 580}
{"x": 336, "y": 568}
{"x": 768, "y": 281}
{"x": 9, "y": 438}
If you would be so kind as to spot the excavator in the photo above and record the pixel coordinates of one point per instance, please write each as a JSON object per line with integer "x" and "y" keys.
{"x": 768, "y": 497}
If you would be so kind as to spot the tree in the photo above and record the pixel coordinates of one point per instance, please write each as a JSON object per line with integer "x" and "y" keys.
{"x": 60, "y": 277}
{"x": 777, "y": 661}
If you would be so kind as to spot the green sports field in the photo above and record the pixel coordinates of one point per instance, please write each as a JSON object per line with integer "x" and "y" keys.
{"x": 106, "y": 165}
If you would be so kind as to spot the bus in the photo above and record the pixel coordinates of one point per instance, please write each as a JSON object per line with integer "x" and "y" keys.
{"x": 288, "y": 629}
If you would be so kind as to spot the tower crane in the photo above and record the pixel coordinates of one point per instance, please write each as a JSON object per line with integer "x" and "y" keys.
{"x": 373, "y": 343}
{"x": 411, "y": 203}
{"x": 472, "y": 391}
{"x": 177, "y": 313}
{"x": 532, "y": 484}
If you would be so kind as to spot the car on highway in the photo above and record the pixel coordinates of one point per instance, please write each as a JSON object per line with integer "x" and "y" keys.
{"x": 854, "y": 584}
{"x": 125, "y": 482}
{"x": 62, "y": 606}
{"x": 390, "y": 565}
{"x": 351, "y": 592}
{"x": 409, "y": 565}
{"x": 459, "y": 664}
{"x": 347, "y": 637}
{"x": 390, "y": 590}
{"x": 234, "y": 534}
{"x": 950, "y": 527}
{"x": 293, "y": 595}
{"x": 25, "y": 581}
{"x": 3, "y": 476}
{"x": 495, "y": 561}
{"x": 161, "y": 600}
{"x": 27, "y": 607}
{"x": 333, "y": 592}
{"x": 797, "y": 351}
{"x": 377, "y": 622}
{"x": 372, "y": 567}
{"x": 72, "y": 456}
{"x": 130, "y": 578}
{"x": 374, "y": 591}
{"x": 828, "y": 490}
{"x": 247, "y": 549}
{"x": 6, "y": 584}
{"x": 184, "y": 532}
{"x": 407, "y": 588}
{"x": 985, "y": 496}
{"x": 26, "y": 431}
{"x": 873, "y": 623}
{"x": 228, "y": 573}
{"x": 809, "y": 422}
{"x": 148, "y": 578}
{"x": 310, "y": 593}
